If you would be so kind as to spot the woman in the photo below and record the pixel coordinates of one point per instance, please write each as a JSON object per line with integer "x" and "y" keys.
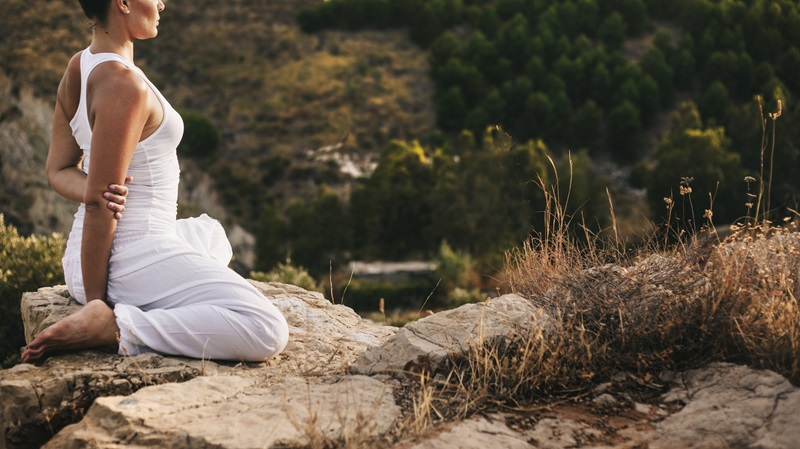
{"x": 149, "y": 282}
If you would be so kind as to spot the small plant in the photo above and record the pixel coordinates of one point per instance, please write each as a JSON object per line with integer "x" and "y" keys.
{"x": 287, "y": 273}
{"x": 26, "y": 264}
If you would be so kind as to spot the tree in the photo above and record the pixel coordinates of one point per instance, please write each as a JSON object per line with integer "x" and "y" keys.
{"x": 586, "y": 187}
{"x": 444, "y": 48}
{"x": 624, "y": 132}
{"x": 398, "y": 204}
{"x": 587, "y": 125}
{"x": 200, "y": 136}
{"x": 654, "y": 63}
{"x": 715, "y": 103}
{"x": 613, "y": 30}
{"x": 479, "y": 51}
{"x": 537, "y": 117}
{"x": 270, "y": 240}
{"x": 513, "y": 41}
{"x": 451, "y": 109}
{"x": 691, "y": 150}
{"x": 789, "y": 69}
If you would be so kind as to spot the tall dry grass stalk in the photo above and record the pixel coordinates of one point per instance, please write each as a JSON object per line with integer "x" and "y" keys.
{"x": 558, "y": 249}
{"x": 675, "y": 304}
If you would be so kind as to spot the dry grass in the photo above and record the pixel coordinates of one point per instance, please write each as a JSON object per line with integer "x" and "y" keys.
{"x": 678, "y": 303}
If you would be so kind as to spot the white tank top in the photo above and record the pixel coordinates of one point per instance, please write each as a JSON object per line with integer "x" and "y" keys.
{"x": 152, "y": 202}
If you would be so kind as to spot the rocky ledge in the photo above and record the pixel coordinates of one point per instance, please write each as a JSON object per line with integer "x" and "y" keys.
{"x": 341, "y": 383}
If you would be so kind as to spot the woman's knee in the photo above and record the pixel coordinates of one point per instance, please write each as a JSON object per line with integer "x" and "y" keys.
{"x": 272, "y": 335}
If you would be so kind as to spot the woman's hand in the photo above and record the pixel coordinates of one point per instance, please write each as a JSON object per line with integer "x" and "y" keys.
{"x": 116, "y": 196}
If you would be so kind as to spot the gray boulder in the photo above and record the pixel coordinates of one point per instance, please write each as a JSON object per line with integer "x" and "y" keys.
{"x": 37, "y": 401}
{"x": 238, "y": 412}
{"x": 429, "y": 343}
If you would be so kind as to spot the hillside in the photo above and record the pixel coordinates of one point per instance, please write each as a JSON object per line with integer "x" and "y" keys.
{"x": 277, "y": 95}
{"x": 632, "y": 101}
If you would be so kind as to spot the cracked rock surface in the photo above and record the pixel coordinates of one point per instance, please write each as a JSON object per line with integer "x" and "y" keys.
{"x": 309, "y": 396}
{"x": 238, "y": 412}
{"x": 428, "y": 343}
{"x": 37, "y": 401}
{"x": 730, "y": 406}
{"x": 722, "y": 406}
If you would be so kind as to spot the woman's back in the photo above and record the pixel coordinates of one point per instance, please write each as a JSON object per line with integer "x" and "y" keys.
{"x": 152, "y": 200}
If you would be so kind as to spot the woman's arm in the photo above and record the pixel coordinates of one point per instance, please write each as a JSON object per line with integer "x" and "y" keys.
{"x": 63, "y": 162}
{"x": 117, "y": 100}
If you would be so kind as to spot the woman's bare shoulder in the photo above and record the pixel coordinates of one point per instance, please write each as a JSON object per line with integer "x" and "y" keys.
{"x": 116, "y": 77}
{"x": 113, "y": 88}
{"x": 69, "y": 89}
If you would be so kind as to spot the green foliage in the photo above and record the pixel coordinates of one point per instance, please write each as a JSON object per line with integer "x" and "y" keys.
{"x": 460, "y": 296}
{"x": 624, "y": 132}
{"x": 452, "y": 267}
{"x": 715, "y": 103}
{"x": 691, "y": 150}
{"x": 587, "y": 201}
{"x": 26, "y": 264}
{"x": 286, "y": 273}
{"x": 613, "y": 30}
{"x": 364, "y": 295}
{"x": 200, "y": 136}
{"x": 527, "y": 65}
{"x": 315, "y": 236}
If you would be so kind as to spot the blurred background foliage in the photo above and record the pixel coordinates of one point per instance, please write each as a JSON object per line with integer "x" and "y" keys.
{"x": 26, "y": 264}
{"x": 456, "y": 113}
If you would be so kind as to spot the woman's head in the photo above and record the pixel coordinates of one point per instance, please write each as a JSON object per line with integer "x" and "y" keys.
{"x": 140, "y": 17}
{"x": 96, "y": 10}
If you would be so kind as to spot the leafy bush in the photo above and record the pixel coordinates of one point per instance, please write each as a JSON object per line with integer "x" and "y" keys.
{"x": 453, "y": 267}
{"x": 460, "y": 296}
{"x": 26, "y": 264}
{"x": 200, "y": 136}
{"x": 287, "y": 273}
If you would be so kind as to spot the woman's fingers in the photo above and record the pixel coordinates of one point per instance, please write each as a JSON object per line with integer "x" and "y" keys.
{"x": 116, "y": 196}
{"x": 116, "y": 203}
{"x": 117, "y": 199}
{"x": 118, "y": 189}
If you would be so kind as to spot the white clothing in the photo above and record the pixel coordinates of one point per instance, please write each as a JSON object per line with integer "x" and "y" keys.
{"x": 168, "y": 279}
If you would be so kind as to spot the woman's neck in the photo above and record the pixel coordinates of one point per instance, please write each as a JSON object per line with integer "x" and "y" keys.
{"x": 104, "y": 40}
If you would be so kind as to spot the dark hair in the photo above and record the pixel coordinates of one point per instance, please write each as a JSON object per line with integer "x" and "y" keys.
{"x": 96, "y": 10}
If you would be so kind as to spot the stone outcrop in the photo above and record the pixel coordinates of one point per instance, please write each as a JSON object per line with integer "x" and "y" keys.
{"x": 430, "y": 342}
{"x": 721, "y": 406}
{"x": 316, "y": 393}
{"x": 38, "y": 400}
{"x": 238, "y": 412}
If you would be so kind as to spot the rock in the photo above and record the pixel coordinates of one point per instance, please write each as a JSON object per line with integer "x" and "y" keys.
{"x": 305, "y": 398}
{"x": 561, "y": 433}
{"x": 39, "y": 401}
{"x": 721, "y": 406}
{"x": 428, "y": 343}
{"x": 475, "y": 433}
{"x": 606, "y": 400}
{"x": 45, "y": 307}
{"x": 728, "y": 406}
{"x": 324, "y": 340}
{"x": 238, "y": 412}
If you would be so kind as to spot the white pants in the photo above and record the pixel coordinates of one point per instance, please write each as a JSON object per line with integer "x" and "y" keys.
{"x": 174, "y": 294}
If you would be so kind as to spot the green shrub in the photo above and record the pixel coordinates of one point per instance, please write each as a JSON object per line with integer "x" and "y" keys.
{"x": 26, "y": 264}
{"x": 287, "y": 273}
{"x": 460, "y": 296}
{"x": 200, "y": 136}
{"x": 364, "y": 295}
{"x": 453, "y": 267}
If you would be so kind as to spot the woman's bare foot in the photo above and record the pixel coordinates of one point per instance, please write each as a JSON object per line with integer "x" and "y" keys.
{"x": 92, "y": 326}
